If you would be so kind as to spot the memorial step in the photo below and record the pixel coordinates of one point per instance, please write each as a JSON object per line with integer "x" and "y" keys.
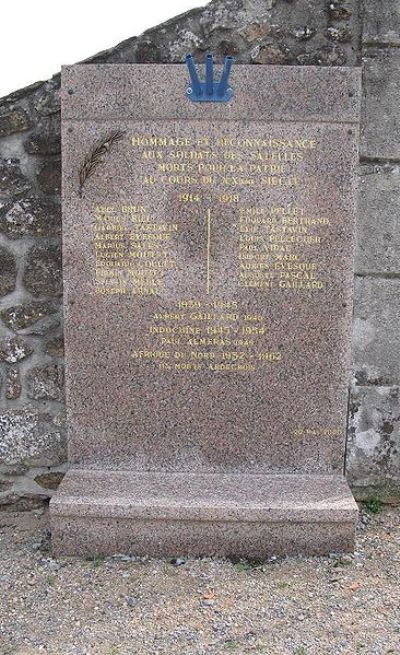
{"x": 103, "y": 512}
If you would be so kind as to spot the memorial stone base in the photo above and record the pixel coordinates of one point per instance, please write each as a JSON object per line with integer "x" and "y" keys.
{"x": 232, "y": 515}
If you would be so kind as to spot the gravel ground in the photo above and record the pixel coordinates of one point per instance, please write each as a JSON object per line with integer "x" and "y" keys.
{"x": 127, "y": 606}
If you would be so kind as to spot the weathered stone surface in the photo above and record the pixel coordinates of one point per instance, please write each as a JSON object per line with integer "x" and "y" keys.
{"x": 31, "y": 216}
{"x": 259, "y": 29}
{"x": 49, "y": 177}
{"x": 45, "y": 325}
{"x": 331, "y": 55}
{"x": 381, "y": 108}
{"x": 46, "y": 100}
{"x": 147, "y": 52}
{"x": 21, "y": 94}
{"x": 382, "y": 22}
{"x": 49, "y": 480}
{"x": 378, "y": 234}
{"x": 340, "y": 9}
{"x": 271, "y": 54}
{"x": 340, "y": 34}
{"x": 289, "y": 32}
{"x": 43, "y": 274}
{"x": 373, "y": 460}
{"x": 29, "y": 438}
{"x": 60, "y": 418}
{"x": 219, "y": 16}
{"x": 14, "y": 502}
{"x": 14, "y": 349}
{"x": 376, "y": 331}
{"x": 8, "y": 271}
{"x": 55, "y": 347}
{"x": 20, "y": 317}
{"x": 13, "y": 184}
{"x": 46, "y": 382}
{"x": 13, "y": 121}
{"x": 13, "y": 383}
{"x": 5, "y": 485}
{"x": 46, "y": 138}
{"x": 303, "y": 32}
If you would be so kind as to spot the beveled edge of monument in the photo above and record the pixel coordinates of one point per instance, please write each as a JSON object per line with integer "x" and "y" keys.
{"x": 218, "y": 497}
{"x": 260, "y": 92}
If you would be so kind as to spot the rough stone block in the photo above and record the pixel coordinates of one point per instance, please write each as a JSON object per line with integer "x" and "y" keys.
{"x": 43, "y": 275}
{"x": 382, "y": 22}
{"x": 47, "y": 325}
{"x": 378, "y": 235}
{"x": 373, "y": 457}
{"x": 23, "y": 316}
{"x": 49, "y": 177}
{"x": 380, "y": 125}
{"x": 331, "y": 55}
{"x": 30, "y": 438}
{"x": 16, "y": 120}
{"x": 55, "y": 347}
{"x": 46, "y": 138}
{"x": 31, "y": 216}
{"x": 14, "y": 349}
{"x": 46, "y": 100}
{"x": 8, "y": 271}
{"x": 5, "y": 485}
{"x": 340, "y": 34}
{"x": 376, "y": 331}
{"x": 340, "y": 10}
{"x": 13, "y": 184}
{"x": 46, "y": 382}
{"x": 49, "y": 480}
{"x": 13, "y": 383}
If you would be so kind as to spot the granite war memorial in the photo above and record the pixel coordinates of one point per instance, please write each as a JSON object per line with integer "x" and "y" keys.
{"x": 208, "y": 277}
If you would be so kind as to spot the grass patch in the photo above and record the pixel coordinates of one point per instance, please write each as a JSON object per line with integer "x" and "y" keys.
{"x": 283, "y": 584}
{"x": 248, "y": 565}
{"x": 373, "y": 505}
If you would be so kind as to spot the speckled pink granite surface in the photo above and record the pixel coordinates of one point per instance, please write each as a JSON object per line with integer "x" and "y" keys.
{"x": 274, "y": 403}
{"x": 177, "y": 513}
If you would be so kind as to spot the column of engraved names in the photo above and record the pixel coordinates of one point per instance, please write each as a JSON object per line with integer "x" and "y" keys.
{"x": 215, "y": 335}
{"x": 277, "y": 246}
{"x": 132, "y": 250}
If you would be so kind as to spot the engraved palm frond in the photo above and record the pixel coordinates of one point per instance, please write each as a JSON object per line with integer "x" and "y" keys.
{"x": 96, "y": 157}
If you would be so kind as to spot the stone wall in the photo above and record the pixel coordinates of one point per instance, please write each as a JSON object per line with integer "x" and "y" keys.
{"x": 296, "y": 32}
{"x": 373, "y": 457}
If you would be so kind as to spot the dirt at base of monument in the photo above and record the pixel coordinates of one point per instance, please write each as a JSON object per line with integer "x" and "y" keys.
{"x": 126, "y": 606}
